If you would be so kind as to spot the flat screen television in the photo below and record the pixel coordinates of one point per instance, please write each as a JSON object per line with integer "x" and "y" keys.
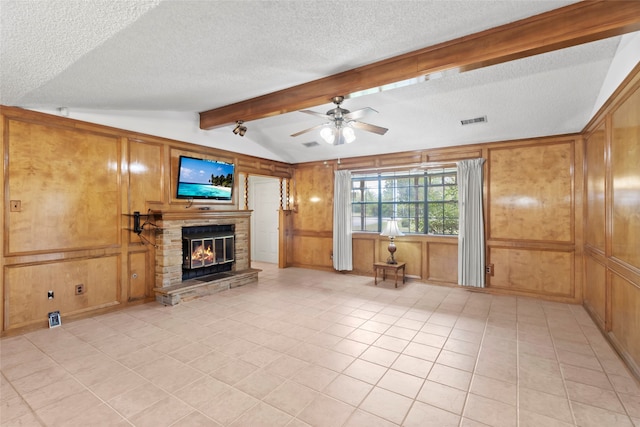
{"x": 205, "y": 179}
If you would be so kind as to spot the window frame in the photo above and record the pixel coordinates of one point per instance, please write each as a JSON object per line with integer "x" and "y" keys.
{"x": 415, "y": 210}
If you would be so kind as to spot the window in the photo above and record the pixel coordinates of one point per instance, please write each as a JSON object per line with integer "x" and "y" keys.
{"x": 424, "y": 201}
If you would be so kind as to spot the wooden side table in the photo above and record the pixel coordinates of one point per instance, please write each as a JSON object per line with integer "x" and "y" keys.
{"x": 384, "y": 267}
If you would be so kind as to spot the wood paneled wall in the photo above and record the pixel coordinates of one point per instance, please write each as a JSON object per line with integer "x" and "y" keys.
{"x": 612, "y": 212}
{"x": 533, "y": 229}
{"x": 69, "y": 190}
{"x": 311, "y": 236}
{"x": 532, "y": 242}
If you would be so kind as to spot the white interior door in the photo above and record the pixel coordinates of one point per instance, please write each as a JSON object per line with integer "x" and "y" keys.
{"x": 264, "y": 200}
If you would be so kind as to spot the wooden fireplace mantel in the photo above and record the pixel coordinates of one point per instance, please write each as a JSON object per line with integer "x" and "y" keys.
{"x": 196, "y": 213}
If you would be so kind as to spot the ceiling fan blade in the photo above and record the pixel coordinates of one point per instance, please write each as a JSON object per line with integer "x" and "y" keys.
{"x": 315, "y": 113}
{"x": 355, "y": 115}
{"x": 310, "y": 129}
{"x": 369, "y": 128}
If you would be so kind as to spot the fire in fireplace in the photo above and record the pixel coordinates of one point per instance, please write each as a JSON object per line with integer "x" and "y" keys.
{"x": 202, "y": 251}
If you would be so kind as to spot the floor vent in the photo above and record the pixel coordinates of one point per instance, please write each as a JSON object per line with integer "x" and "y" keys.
{"x": 482, "y": 119}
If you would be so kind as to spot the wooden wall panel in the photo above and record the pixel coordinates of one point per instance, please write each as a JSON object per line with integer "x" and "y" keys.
{"x": 314, "y": 198}
{"x": 625, "y": 318}
{"x": 68, "y": 182}
{"x": 146, "y": 175}
{"x": 615, "y": 209}
{"x": 364, "y": 255}
{"x": 595, "y": 186}
{"x": 138, "y": 288}
{"x": 547, "y": 273}
{"x": 312, "y": 251}
{"x": 625, "y": 177}
{"x": 409, "y": 251}
{"x": 430, "y": 258}
{"x": 595, "y": 291}
{"x": 442, "y": 262}
{"x": 257, "y": 166}
{"x": 312, "y": 220}
{"x": 531, "y": 192}
{"x": 27, "y": 288}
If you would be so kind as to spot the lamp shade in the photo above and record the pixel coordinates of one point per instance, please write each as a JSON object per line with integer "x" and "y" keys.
{"x": 392, "y": 229}
{"x": 349, "y": 135}
{"x": 328, "y": 134}
{"x": 338, "y": 135}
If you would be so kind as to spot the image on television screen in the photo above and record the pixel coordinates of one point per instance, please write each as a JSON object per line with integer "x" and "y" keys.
{"x": 205, "y": 179}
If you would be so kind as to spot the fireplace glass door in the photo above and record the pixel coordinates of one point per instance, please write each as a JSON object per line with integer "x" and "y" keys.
{"x": 204, "y": 251}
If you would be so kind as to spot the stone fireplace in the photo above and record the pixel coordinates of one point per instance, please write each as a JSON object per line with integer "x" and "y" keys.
{"x": 172, "y": 285}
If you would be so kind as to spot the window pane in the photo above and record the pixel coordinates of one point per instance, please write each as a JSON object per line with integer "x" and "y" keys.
{"x": 435, "y": 193}
{"x": 450, "y": 210}
{"x": 365, "y": 217}
{"x": 451, "y": 193}
{"x": 371, "y": 210}
{"x": 371, "y": 195}
{"x": 388, "y": 190}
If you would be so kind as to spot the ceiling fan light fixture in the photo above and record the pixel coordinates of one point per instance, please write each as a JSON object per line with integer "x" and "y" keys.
{"x": 341, "y": 123}
{"x": 349, "y": 135}
{"x": 328, "y": 134}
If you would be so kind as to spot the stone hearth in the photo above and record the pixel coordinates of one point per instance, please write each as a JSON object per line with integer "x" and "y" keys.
{"x": 170, "y": 288}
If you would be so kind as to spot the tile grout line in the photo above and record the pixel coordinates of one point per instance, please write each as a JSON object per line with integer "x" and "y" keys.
{"x": 85, "y": 387}
{"x": 475, "y": 365}
{"x": 555, "y": 350}
{"x": 426, "y": 378}
{"x": 615, "y": 390}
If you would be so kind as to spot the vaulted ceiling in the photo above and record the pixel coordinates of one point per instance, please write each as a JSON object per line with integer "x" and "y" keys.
{"x": 189, "y": 69}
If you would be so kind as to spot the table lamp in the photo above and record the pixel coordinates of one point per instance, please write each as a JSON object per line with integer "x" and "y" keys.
{"x": 392, "y": 231}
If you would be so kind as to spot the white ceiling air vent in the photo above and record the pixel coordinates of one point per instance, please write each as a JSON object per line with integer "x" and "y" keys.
{"x": 482, "y": 119}
{"x": 310, "y": 144}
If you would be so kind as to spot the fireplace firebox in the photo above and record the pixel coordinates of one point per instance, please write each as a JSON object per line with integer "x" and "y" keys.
{"x": 207, "y": 250}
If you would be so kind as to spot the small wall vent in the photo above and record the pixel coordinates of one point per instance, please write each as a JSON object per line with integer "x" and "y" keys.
{"x": 482, "y": 119}
{"x": 310, "y": 144}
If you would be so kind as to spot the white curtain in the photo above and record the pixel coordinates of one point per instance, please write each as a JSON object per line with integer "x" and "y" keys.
{"x": 342, "y": 246}
{"x": 471, "y": 255}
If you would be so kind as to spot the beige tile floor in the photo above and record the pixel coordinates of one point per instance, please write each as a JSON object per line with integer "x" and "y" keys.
{"x": 305, "y": 348}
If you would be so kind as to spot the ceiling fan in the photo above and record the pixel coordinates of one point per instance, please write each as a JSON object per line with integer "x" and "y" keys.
{"x": 343, "y": 121}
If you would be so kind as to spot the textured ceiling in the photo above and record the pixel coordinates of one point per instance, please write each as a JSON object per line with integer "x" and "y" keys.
{"x": 151, "y": 66}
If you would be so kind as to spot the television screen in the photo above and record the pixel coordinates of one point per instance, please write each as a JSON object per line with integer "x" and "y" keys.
{"x": 205, "y": 179}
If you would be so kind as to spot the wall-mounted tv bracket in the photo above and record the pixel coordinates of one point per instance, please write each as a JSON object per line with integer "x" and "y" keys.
{"x": 136, "y": 223}
{"x": 138, "y": 226}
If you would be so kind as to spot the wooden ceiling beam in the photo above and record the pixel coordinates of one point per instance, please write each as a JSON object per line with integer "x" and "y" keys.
{"x": 568, "y": 26}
